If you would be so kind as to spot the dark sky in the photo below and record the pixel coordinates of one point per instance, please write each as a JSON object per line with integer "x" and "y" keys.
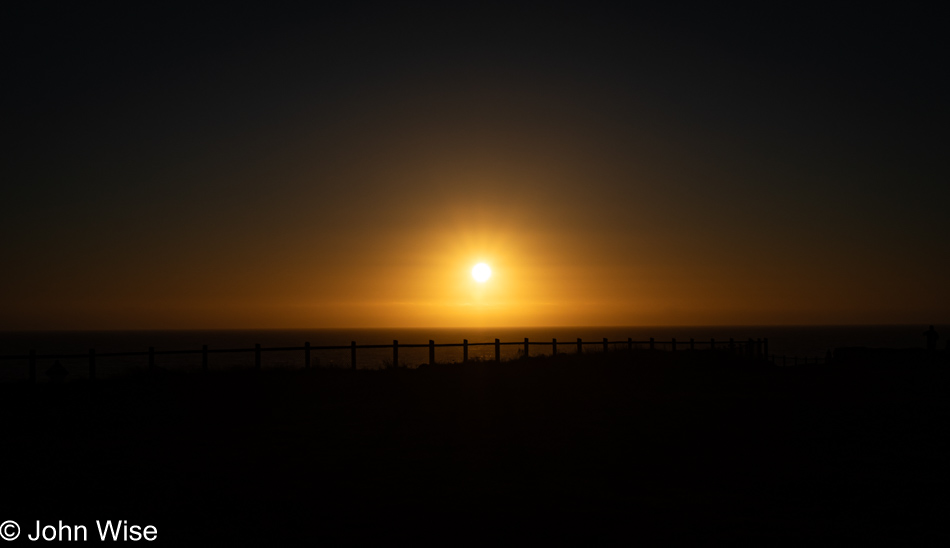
{"x": 345, "y": 165}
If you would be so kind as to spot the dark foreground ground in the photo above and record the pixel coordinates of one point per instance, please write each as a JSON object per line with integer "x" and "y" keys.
{"x": 592, "y": 450}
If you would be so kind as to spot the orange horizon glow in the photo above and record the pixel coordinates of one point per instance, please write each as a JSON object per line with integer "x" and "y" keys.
{"x": 541, "y": 277}
{"x": 391, "y": 243}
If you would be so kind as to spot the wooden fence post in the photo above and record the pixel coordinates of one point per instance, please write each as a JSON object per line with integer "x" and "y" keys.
{"x": 554, "y": 347}
{"x": 464, "y": 350}
{"x": 151, "y": 359}
{"x": 605, "y": 345}
{"x": 580, "y": 347}
{"x": 651, "y": 343}
{"x": 92, "y": 364}
{"x": 673, "y": 345}
{"x": 395, "y": 353}
{"x": 431, "y": 352}
{"x": 204, "y": 358}
{"x": 497, "y": 350}
{"x": 32, "y": 366}
{"x": 526, "y": 347}
{"x": 306, "y": 355}
{"x": 257, "y": 356}
{"x": 353, "y": 355}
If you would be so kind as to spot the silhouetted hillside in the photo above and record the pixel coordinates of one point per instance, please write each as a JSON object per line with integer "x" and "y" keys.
{"x": 581, "y": 449}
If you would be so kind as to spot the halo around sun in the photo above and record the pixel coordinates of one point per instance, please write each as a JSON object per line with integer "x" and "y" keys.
{"x": 481, "y": 272}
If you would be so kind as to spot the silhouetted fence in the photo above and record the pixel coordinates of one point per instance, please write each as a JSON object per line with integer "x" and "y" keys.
{"x": 757, "y": 348}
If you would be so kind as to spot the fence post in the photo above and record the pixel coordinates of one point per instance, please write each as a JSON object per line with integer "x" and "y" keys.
{"x": 204, "y": 358}
{"x": 651, "y": 343}
{"x": 691, "y": 344}
{"x": 497, "y": 350}
{"x": 605, "y": 344}
{"x": 257, "y": 356}
{"x": 306, "y": 355}
{"x": 32, "y": 366}
{"x": 395, "y": 353}
{"x": 353, "y": 355}
{"x": 151, "y": 359}
{"x": 92, "y": 364}
{"x": 673, "y": 345}
{"x": 526, "y": 347}
{"x": 464, "y": 350}
{"x": 431, "y": 352}
{"x": 580, "y": 347}
{"x": 554, "y": 347}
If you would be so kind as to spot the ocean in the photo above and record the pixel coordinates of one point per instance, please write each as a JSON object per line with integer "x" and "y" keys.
{"x": 800, "y": 341}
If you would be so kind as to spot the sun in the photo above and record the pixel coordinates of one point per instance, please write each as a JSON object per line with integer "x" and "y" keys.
{"x": 481, "y": 272}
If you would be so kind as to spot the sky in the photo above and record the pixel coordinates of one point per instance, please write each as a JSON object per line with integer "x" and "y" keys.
{"x": 345, "y": 165}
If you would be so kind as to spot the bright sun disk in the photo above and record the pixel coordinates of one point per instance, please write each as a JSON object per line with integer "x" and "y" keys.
{"x": 481, "y": 272}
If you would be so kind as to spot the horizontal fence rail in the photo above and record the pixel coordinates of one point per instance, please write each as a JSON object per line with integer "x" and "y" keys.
{"x": 757, "y": 348}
